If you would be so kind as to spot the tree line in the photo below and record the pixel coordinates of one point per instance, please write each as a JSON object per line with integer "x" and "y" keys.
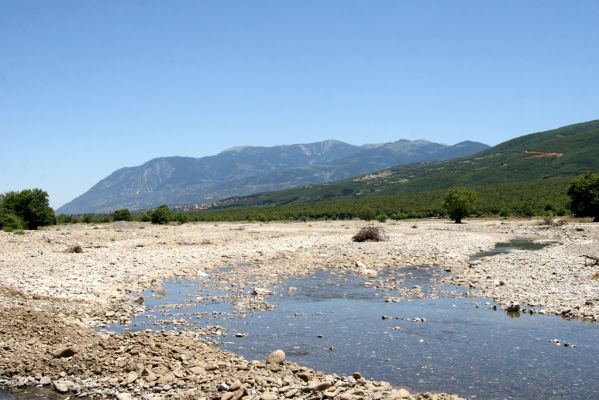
{"x": 30, "y": 209}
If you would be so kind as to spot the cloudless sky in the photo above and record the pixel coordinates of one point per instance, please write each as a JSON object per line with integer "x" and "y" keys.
{"x": 87, "y": 87}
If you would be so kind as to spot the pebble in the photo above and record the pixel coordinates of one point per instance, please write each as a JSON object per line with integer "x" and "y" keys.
{"x": 276, "y": 357}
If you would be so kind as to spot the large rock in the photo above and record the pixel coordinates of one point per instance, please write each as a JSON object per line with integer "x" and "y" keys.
{"x": 276, "y": 357}
{"x": 64, "y": 352}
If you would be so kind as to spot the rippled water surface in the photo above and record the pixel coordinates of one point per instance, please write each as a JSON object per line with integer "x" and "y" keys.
{"x": 335, "y": 323}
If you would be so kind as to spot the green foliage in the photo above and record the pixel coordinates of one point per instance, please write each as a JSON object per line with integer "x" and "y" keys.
{"x": 30, "y": 205}
{"x": 367, "y": 214}
{"x": 459, "y": 203}
{"x": 181, "y": 218}
{"x": 9, "y": 221}
{"x": 161, "y": 215}
{"x": 381, "y": 217}
{"x": 122, "y": 214}
{"x": 584, "y": 195}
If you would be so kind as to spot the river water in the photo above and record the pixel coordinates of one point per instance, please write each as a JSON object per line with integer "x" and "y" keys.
{"x": 443, "y": 342}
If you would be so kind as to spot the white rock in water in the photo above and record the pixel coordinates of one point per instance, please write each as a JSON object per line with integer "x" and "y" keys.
{"x": 276, "y": 357}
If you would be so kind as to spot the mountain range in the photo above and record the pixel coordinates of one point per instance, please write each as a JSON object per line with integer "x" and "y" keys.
{"x": 246, "y": 170}
{"x": 523, "y": 168}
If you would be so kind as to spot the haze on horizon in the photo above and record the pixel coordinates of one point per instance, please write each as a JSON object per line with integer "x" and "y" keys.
{"x": 87, "y": 88}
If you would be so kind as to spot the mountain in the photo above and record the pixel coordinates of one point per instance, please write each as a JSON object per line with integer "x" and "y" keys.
{"x": 544, "y": 160}
{"x": 246, "y": 169}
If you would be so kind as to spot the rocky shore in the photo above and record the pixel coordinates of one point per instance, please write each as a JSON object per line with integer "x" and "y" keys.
{"x": 52, "y": 298}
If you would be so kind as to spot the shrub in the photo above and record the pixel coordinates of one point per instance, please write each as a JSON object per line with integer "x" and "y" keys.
{"x": 459, "y": 203}
{"x": 30, "y": 205}
{"x": 161, "y": 215}
{"x": 366, "y": 214}
{"x": 382, "y": 217}
{"x": 370, "y": 234}
{"x": 9, "y": 221}
{"x": 121, "y": 214}
{"x": 584, "y": 196}
{"x": 181, "y": 218}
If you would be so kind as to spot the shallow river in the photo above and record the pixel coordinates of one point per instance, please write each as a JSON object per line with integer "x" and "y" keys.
{"x": 451, "y": 343}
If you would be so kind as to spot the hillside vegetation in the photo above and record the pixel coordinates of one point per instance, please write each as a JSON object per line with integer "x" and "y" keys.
{"x": 527, "y": 175}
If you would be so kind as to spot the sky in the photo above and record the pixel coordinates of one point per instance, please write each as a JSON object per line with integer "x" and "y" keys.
{"x": 88, "y": 87}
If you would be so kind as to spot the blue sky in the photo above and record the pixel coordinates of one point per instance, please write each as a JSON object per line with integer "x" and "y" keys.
{"x": 87, "y": 87}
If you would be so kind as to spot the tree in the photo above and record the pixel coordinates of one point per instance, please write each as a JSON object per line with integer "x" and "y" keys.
{"x": 30, "y": 205}
{"x": 161, "y": 215}
{"x": 459, "y": 203}
{"x": 584, "y": 195}
{"x": 122, "y": 214}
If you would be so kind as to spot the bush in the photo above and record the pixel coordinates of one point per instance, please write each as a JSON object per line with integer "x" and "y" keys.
{"x": 370, "y": 234}
{"x": 584, "y": 196}
{"x": 181, "y": 218}
{"x": 9, "y": 221}
{"x": 459, "y": 203}
{"x": 382, "y": 217}
{"x": 30, "y": 205}
{"x": 366, "y": 214}
{"x": 161, "y": 215}
{"x": 122, "y": 214}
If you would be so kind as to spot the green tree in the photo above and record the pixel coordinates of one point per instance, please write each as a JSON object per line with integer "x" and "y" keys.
{"x": 122, "y": 214}
{"x": 584, "y": 196}
{"x": 459, "y": 203}
{"x": 161, "y": 215}
{"x": 30, "y": 205}
{"x": 366, "y": 214}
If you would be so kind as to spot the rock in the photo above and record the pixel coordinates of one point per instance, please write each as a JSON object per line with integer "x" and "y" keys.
{"x": 131, "y": 377}
{"x": 64, "y": 352}
{"x": 261, "y": 292}
{"x": 227, "y": 396}
{"x": 513, "y": 307}
{"x": 357, "y": 375}
{"x": 140, "y": 300}
{"x": 45, "y": 381}
{"x": 268, "y": 396}
{"x": 222, "y": 387}
{"x": 197, "y": 370}
{"x": 124, "y": 396}
{"x": 399, "y": 394}
{"x": 276, "y": 357}
{"x": 360, "y": 264}
{"x": 321, "y": 386}
{"x": 166, "y": 379}
{"x": 61, "y": 386}
{"x": 304, "y": 376}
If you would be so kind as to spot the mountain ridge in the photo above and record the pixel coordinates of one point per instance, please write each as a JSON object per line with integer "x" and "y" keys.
{"x": 244, "y": 170}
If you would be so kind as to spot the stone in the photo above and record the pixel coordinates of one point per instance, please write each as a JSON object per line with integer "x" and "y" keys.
{"x": 321, "y": 386}
{"x": 166, "y": 379}
{"x": 268, "y": 396}
{"x": 276, "y": 357}
{"x": 513, "y": 307}
{"x": 360, "y": 264}
{"x": 227, "y": 396}
{"x": 304, "y": 376}
{"x": 45, "y": 381}
{"x": 64, "y": 352}
{"x": 61, "y": 386}
{"x": 357, "y": 375}
{"x": 400, "y": 394}
{"x": 131, "y": 377}
{"x": 124, "y": 396}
